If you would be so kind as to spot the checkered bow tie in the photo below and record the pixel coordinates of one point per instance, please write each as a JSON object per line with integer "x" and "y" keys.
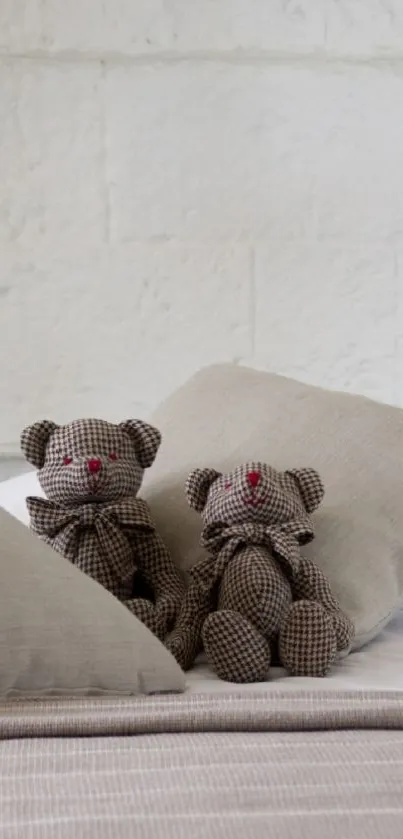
{"x": 111, "y": 522}
{"x": 222, "y": 543}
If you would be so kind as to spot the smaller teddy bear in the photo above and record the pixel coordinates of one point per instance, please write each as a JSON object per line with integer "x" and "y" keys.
{"x": 254, "y": 594}
{"x": 91, "y": 471}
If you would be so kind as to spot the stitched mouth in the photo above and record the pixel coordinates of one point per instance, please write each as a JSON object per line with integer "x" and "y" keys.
{"x": 93, "y": 486}
{"x": 256, "y": 502}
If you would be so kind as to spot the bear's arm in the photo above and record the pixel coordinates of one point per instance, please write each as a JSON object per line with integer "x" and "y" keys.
{"x": 311, "y": 584}
{"x": 185, "y": 642}
{"x": 153, "y": 559}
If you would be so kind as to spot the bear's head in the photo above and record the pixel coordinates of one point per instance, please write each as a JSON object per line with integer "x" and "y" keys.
{"x": 254, "y": 493}
{"x": 90, "y": 460}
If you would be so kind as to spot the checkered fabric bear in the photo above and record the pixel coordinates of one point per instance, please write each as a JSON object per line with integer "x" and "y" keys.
{"x": 254, "y": 593}
{"x": 91, "y": 471}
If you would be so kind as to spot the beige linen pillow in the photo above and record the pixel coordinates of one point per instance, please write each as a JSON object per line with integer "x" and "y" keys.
{"x": 62, "y": 633}
{"x": 227, "y": 414}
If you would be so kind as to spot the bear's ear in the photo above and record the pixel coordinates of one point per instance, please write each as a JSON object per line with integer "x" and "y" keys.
{"x": 310, "y": 487}
{"x": 146, "y": 439}
{"x": 34, "y": 440}
{"x": 198, "y": 485}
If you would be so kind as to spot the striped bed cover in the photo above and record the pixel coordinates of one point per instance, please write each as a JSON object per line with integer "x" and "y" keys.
{"x": 323, "y": 765}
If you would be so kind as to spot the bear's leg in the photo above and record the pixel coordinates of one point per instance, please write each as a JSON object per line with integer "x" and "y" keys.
{"x": 307, "y": 640}
{"x": 236, "y": 651}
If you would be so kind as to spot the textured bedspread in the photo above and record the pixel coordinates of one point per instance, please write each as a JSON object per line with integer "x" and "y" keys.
{"x": 255, "y": 764}
{"x": 327, "y": 785}
{"x": 243, "y": 711}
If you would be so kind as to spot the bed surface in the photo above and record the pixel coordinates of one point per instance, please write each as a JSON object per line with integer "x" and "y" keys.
{"x": 327, "y": 785}
{"x": 287, "y": 759}
{"x": 378, "y": 666}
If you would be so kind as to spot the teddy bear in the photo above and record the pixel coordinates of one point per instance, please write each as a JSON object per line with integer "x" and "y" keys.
{"x": 91, "y": 471}
{"x": 254, "y": 597}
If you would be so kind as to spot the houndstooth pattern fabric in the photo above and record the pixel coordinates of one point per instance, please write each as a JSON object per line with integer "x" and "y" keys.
{"x": 110, "y": 542}
{"x": 146, "y": 439}
{"x": 236, "y": 650}
{"x": 34, "y": 440}
{"x": 315, "y": 630}
{"x": 235, "y": 615}
{"x": 312, "y": 585}
{"x": 279, "y": 497}
{"x": 91, "y": 471}
{"x": 282, "y": 541}
{"x": 307, "y": 640}
{"x": 90, "y": 459}
{"x": 98, "y": 539}
{"x": 255, "y": 519}
{"x": 254, "y": 586}
{"x": 185, "y": 642}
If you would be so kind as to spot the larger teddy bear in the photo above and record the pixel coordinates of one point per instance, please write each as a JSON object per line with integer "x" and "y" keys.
{"x": 255, "y": 594}
{"x": 91, "y": 471}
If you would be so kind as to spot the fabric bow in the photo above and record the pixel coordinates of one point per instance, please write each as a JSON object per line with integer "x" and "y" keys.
{"x": 110, "y": 523}
{"x": 222, "y": 542}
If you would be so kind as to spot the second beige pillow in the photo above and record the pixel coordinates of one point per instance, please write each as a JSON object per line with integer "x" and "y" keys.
{"x": 228, "y": 414}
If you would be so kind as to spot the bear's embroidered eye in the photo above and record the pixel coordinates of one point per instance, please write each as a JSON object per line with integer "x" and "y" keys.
{"x": 113, "y": 456}
{"x": 228, "y": 485}
{"x": 67, "y": 460}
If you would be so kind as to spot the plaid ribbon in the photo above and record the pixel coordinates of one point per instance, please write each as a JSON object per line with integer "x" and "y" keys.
{"x": 222, "y": 543}
{"x": 111, "y": 523}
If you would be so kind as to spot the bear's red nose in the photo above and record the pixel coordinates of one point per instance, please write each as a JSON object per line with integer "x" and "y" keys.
{"x": 253, "y": 478}
{"x": 94, "y": 465}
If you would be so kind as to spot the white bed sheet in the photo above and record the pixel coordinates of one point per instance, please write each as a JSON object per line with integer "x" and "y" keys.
{"x": 378, "y": 666}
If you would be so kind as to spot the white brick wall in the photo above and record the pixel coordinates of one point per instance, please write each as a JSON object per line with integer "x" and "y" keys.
{"x": 184, "y": 182}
